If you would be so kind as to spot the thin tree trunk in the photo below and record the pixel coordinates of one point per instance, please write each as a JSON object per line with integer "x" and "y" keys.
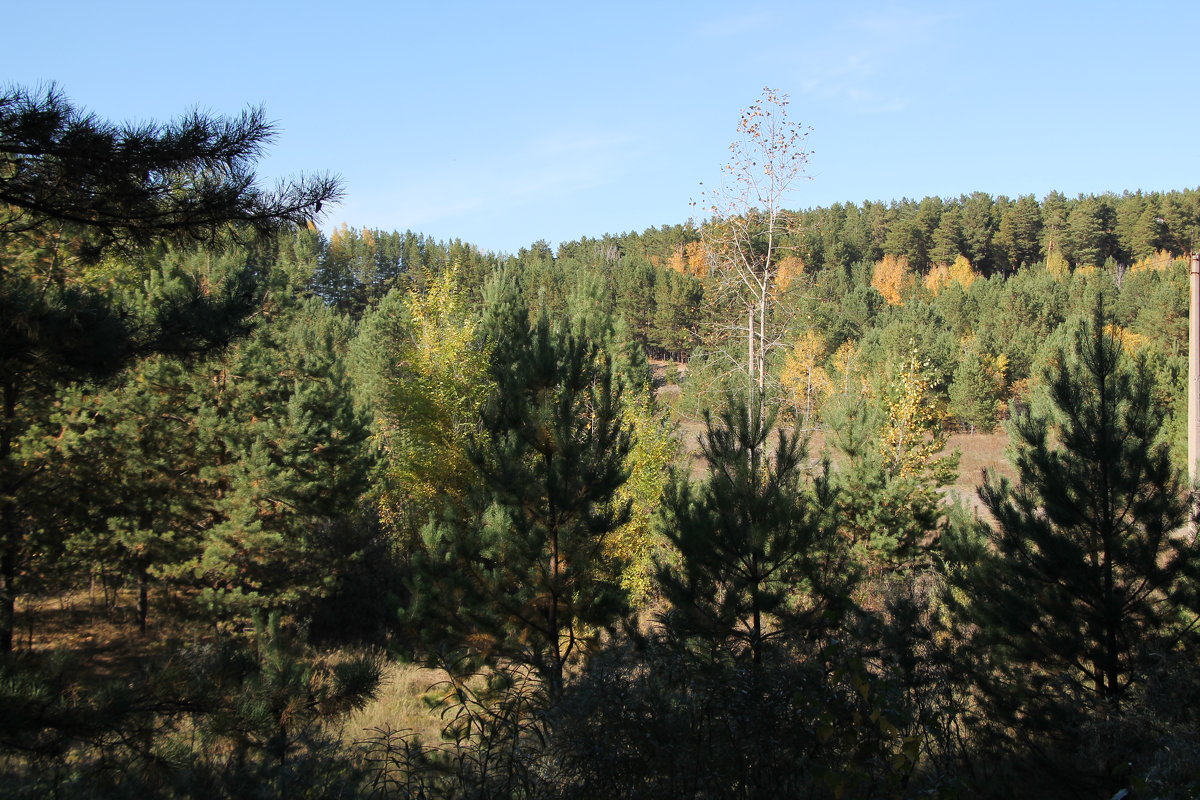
{"x": 143, "y": 599}
{"x": 9, "y": 535}
{"x": 8, "y": 592}
{"x": 762, "y": 340}
{"x": 750, "y": 350}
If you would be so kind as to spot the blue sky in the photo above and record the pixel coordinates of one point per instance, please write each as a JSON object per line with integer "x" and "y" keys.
{"x": 502, "y": 124}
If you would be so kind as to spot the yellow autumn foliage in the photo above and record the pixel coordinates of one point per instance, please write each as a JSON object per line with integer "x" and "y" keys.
{"x": 846, "y": 373}
{"x": 1162, "y": 260}
{"x": 942, "y": 275}
{"x": 962, "y": 272}
{"x": 1130, "y": 341}
{"x": 436, "y": 386}
{"x": 937, "y": 278}
{"x": 655, "y": 448}
{"x": 1056, "y": 264}
{"x": 892, "y": 278}
{"x": 788, "y": 272}
{"x": 805, "y": 380}
{"x": 915, "y": 429}
{"x": 690, "y": 259}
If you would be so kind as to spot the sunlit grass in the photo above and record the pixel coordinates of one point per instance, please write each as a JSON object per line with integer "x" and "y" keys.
{"x": 400, "y": 705}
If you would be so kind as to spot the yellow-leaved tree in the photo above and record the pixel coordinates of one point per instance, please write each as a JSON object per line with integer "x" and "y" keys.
{"x": 915, "y": 429}
{"x": 890, "y": 507}
{"x": 1161, "y": 260}
{"x": 805, "y": 379}
{"x": 691, "y": 258}
{"x": 937, "y": 278}
{"x": 423, "y": 366}
{"x": 962, "y": 272}
{"x": 892, "y": 278}
{"x": 1056, "y": 263}
{"x": 942, "y": 275}
{"x": 655, "y": 449}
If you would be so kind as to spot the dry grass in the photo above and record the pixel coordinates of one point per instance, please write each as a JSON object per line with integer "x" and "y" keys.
{"x": 104, "y": 640}
{"x": 400, "y": 705}
{"x": 980, "y": 451}
{"x": 110, "y": 645}
{"x": 977, "y": 452}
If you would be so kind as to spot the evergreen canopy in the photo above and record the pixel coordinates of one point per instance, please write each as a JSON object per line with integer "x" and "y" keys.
{"x": 131, "y": 184}
{"x": 1087, "y": 573}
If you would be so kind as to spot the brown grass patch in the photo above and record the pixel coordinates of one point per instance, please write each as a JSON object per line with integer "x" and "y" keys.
{"x": 400, "y": 705}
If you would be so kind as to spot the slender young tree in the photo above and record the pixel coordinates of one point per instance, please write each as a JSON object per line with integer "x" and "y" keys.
{"x": 758, "y": 559}
{"x": 748, "y": 225}
{"x": 520, "y": 572}
{"x": 422, "y": 370}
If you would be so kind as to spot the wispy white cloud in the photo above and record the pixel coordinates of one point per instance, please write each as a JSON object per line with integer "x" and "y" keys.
{"x": 851, "y": 85}
{"x": 858, "y": 60}
{"x": 555, "y": 166}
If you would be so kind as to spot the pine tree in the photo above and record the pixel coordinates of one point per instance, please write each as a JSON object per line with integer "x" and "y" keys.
{"x": 1020, "y": 232}
{"x": 891, "y": 508}
{"x": 288, "y": 459}
{"x": 1055, "y": 237}
{"x": 1084, "y": 575}
{"x": 979, "y": 227}
{"x": 130, "y": 184}
{"x": 1090, "y": 227}
{"x": 131, "y": 455}
{"x": 520, "y": 572}
{"x": 946, "y": 242}
{"x": 758, "y": 557}
{"x": 975, "y": 391}
{"x": 74, "y": 188}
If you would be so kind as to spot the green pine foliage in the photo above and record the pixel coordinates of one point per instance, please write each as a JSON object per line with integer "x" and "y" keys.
{"x": 891, "y": 508}
{"x": 756, "y": 559}
{"x": 1085, "y": 580}
{"x": 289, "y": 456}
{"x": 520, "y": 572}
{"x": 976, "y": 391}
{"x": 306, "y": 434}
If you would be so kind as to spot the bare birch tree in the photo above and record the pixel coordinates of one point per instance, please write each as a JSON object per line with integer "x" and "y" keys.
{"x": 746, "y": 230}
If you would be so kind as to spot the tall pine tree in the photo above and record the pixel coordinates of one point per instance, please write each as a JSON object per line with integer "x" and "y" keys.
{"x": 1085, "y": 576}
{"x": 519, "y": 573}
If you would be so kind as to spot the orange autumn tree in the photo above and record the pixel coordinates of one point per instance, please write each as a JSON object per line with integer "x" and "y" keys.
{"x": 689, "y": 259}
{"x": 942, "y": 275}
{"x": 892, "y": 278}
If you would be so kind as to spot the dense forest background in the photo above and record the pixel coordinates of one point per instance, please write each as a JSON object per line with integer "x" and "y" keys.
{"x": 250, "y": 468}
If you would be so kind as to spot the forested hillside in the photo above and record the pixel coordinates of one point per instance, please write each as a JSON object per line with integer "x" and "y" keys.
{"x": 978, "y": 286}
{"x": 248, "y": 470}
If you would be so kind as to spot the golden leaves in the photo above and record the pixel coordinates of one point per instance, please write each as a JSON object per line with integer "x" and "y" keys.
{"x": 804, "y": 378}
{"x": 892, "y": 278}
{"x": 1160, "y": 261}
{"x": 941, "y": 275}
